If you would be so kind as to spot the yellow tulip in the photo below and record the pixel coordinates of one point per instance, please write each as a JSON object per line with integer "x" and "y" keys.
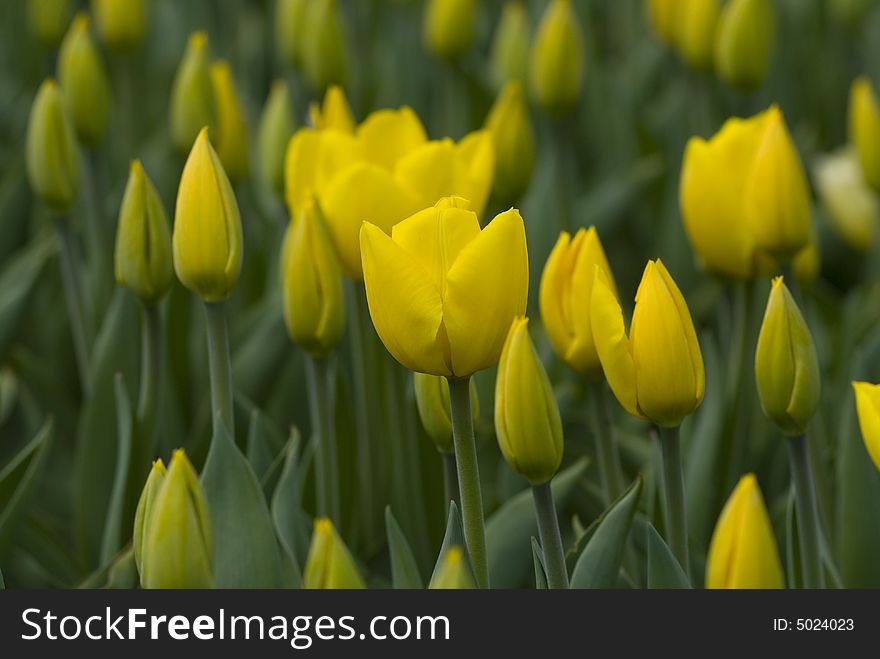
{"x": 335, "y": 113}
{"x": 290, "y": 16}
{"x": 453, "y": 572}
{"x": 84, "y": 82}
{"x": 192, "y": 98}
{"x": 48, "y": 19}
{"x": 323, "y": 55}
{"x": 121, "y": 23}
{"x": 851, "y": 207}
{"x": 695, "y": 31}
{"x": 864, "y": 128}
{"x": 143, "y": 239}
{"x": 868, "y": 408}
{"x": 744, "y": 42}
{"x": 386, "y": 136}
{"x": 441, "y": 292}
{"x": 329, "y": 564}
{"x": 276, "y": 128}
{"x": 742, "y": 553}
{"x": 527, "y": 418}
{"x": 509, "y": 59}
{"x": 207, "y": 236}
{"x": 51, "y": 157}
{"x": 432, "y": 401}
{"x": 662, "y": 15}
{"x": 232, "y": 133}
{"x": 786, "y": 366}
{"x": 656, "y": 372}
{"x": 144, "y": 508}
{"x": 514, "y": 141}
{"x": 557, "y": 58}
{"x": 448, "y": 28}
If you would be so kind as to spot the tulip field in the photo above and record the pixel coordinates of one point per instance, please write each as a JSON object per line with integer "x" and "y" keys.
{"x": 440, "y": 294}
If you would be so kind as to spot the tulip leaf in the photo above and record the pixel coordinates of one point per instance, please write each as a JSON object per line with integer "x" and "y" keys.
{"x": 241, "y": 560}
{"x": 286, "y": 510}
{"x": 599, "y": 563}
{"x": 508, "y": 530}
{"x": 258, "y": 453}
{"x": 125, "y": 419}
{"x": 538, "y": 559}
{"x": 404, "y": 569}
{"x": 454, "y": 537}
{"x": 2, "y": 583}
{"x": 664, "y": 570}
{"x": 16, "y": 282}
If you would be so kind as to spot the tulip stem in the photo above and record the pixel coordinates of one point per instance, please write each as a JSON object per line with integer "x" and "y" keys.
{"x": 606, "y": 448}
{"x": 361, "y": 388}
{"x": 468, "y": 477}
{"x": 320, "y": 381}
{"x": 807, "y": 512}
{"x": 551, "y": 538}
{"x": 73, "y": 295}
{"x": 450, "y": 479}
{"x": 673, "y": 483}
{"x": 220, "y": 366}
{"x": 151, "y": 369}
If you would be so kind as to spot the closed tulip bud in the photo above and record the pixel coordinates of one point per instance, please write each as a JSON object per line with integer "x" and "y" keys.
{"x": 143, "y": 239}
{"x": 742, "y": 553}
{"x": 192, "y": 96}
{"x": 695, "y": 38}
{"x": 207, "y": 237}
{"x": 786, "y": 366}
{"x": 335, "y": 112}
{"x": 864, "y": 129}
{"x": 290, "y": 17}
{"x": 50, "y": 150}
{"x": 807, "y": 264}
{"x": 84, "y": 82}
{"x": 868, "y": 409}
{"x": 121, "y": 23}
{"x": 744, "y": 42}
{"x": 514, "y": 141}
{"x": 526, "y": 414}
{"x": 850, "y": 206}
{"x": 276, "y": 127}
{"x": 432, "y": 401}
{"x": 144, "y": 510}
{"x": 48, "y": 19}
{"x": 663, "y": 15}
{"x": 453, "y": 572}
{"x": 566, "y": 288}
{"x": 509, "y": 59}
{"x": 449, "y": 27}
{"x": 441, "y": 292}
{"x": 178, "y": 545}
{"x": 329, "y": 564}
{"x": 557, "y": 58}
{"x": 324, "y": 56}
{"x": 656, "y": 372}
{"x": 232, "y": 132}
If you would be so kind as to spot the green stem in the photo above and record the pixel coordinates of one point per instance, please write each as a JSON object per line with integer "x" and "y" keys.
{"x": 73, "y": 296}
{"x": 319, "y": 373}
{"x": 606, "y": 448}
{"x": 361, "y": 388}
{"x": 468, "y": 477}
{"x": 151, "y": 372}
{"x": 807, "y": 512}
{"x": 673, "y": 483}
{"x": 551, "y": 539}
{"x": 450, "y": 479}
{"x": 220, "y": 366}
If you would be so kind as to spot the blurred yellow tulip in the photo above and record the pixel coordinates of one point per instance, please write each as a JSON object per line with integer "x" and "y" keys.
{"x": 850, "y": 206}
{"x": 232, "y": 131}
{"x": 48, "y": 19}
{"x": 453, "y": 572}
{"x": 868, "y": 409}
{"x": 329, "y": 564}
{"x": 864, "y": 128}
{"x": 121, "y": 23}
{"x": 448, "y": 28}
{"x": 514, "y": 141}
{"x": 290, "y": 27}
{"x": 432, "y": 401}
{"x": 695, "y": 31}
{"x": 744, "y": 42}
{"x": 509, "y": 59}
{"x": 557, "y": 58}
{"x": 276, "y": 127}
{"x": 324, "y": 54}
{"x": 192, "y": 97}
{"x": 662, "y": 15}
{"x": 334, "y": 113}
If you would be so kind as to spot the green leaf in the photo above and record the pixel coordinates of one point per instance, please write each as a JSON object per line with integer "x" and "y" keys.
{"x": 453, "y": 537}
{"x": 664, "y": 570}
{"x": 16, "y": 282}
{"x": 538, "y": 559}
{"x": 599, "y": 563}
{"x": 286, "y": 510}
{"x": 508, "y": 530}
{"x": 246, "y": 552}
{"x": 122, "y": 573}
{"x": 2, "y": 583}
{"x": 404, "y": 570}
{"x": 258, "y": 453}
{"x": 125, "y": 419}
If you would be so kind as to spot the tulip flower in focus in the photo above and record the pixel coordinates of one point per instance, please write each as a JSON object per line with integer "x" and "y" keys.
{"x": 192, "y": 96}
{"x": 329, "y": 564}
{"x": 695, "y": 32}
{"x": 277, "y": 124}
{"x": 84, "y": 83}
{"x": 143, "y": 239}
{"x": 744, "y": 42}
{"x": 742, "y": 553}
{"x": 290, "y": 16}
{"x": 51, "y": 156}
{"x": 207, "y": 237}
{"x": 453, "y": 572}
{"x": 144, "y": 509}
{"x": 657, "y": 371}
{"x": 509, "y": 59}
{"x": 449, "y": 27}
{"x": 662, "y": 15}
{"x": 334, "y": 113}
{"x": 864, "y": 129}
{"x": 514, "y": 141}
{"x": 786, "y": 366}
{"x": 323, "y": 54}
{"x": 232, "y": 133}
{"x": 868, "y": 408}
{"x": 441, "y": 292}
{"x": 48, "y": 19}
{"x": 121, "y": 23}
{"x": 432, "y": 401}
{"x": 850, "y": 205}
{"x": 557, "y": 58}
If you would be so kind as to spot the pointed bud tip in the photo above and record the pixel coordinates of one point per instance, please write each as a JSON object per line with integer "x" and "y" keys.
{"x": 198, "y": 39}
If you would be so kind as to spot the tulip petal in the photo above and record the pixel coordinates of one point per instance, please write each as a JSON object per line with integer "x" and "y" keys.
{"x": 388, "y": 135}
{"x": 868, "y": 408}
{"x": 476, "y": 154}
{"x": 429, "y": 170}
{"x": 300, "y": 162}
{"x": 553, "y": 292}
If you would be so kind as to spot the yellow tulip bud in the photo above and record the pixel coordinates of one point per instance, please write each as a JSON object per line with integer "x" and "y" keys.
{"x": 51, "y": 157}
{"x": 312, "y": 283}
{"x": 514, "y": 141}
{"x": 453, "y": 572}
{"x": 509, "y": 59}
{"x": 696, "y": 22}
{"x": 143, "y": 239}
{"x": 656, "y": 372}
{"x": 207, "y": 237}
{"x": 742, "y": 553}
{"x": 864, "y": 129}
{"x": 232, "y": 133}
{"x": 329, "y": 564}
{"x": 807, "y": 264}
{"x": 192, "y": 98}
{"x": 290, "y": 17}
{"x": 84, "y": 82}
{"x": 662, "y": 15}
{"x": 557, "y": 58}
{"x": 851, "y": 207}
{"x": 121, "y": 23}
{"x": 527, "y": 418}
{"x": 566, "y": 288}
{"x": 868, "y": 409}
{"x": 48, "y": 19}
{"x": 276, "y": 127}
{"x": 786, "y": 366}
{"x": 744, "y": 42}
{"x": 178, "y": 545}
{"x": 335, "y": 113}
{"x": 324, "y": 56}
{"x": 432, "y": 401}
{"x": 441, "y": 292}
{"x": 449, "y": 27}
{"x": 144, "y": 510}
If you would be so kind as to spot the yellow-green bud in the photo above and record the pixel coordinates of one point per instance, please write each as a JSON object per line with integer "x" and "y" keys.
{"x": 290, "y": 17}
{"x": 432, "y": 401}
{"x": 695, "y": 37}
{"x": 514, "y": 141}
{"x": 453, "y": 573}
{"x": 143, "y": 239}
{"x": 868, "y": 410}
{"x": 48, "y": 19}
{"x": 178, "y": 544}
{"x": 329, "y": 564}
{"x": 850, "y": 205}
{"x": 786, "y": 366}
{"x": 207, "y": 238}
{"x": 448, "y": 29}
{"x": 324, "y": 55}
{"x": 864, "y": 129}
{"x": 527, "y": 418}
{"x": 192, "y": 97}
{"x": 744, "y": 42}
{"x": 121, "y": 23}
{"x": 662, "y": 15}
{"x": 509, "y": 59}
{"x": 277, "y": 124}
{"x": 557, "y": 58}
{"x": 333, "y": 113}
{"x": 145, "y": 509}
{"x": 232, "y": 131}
{"x": 50, "y": 149}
